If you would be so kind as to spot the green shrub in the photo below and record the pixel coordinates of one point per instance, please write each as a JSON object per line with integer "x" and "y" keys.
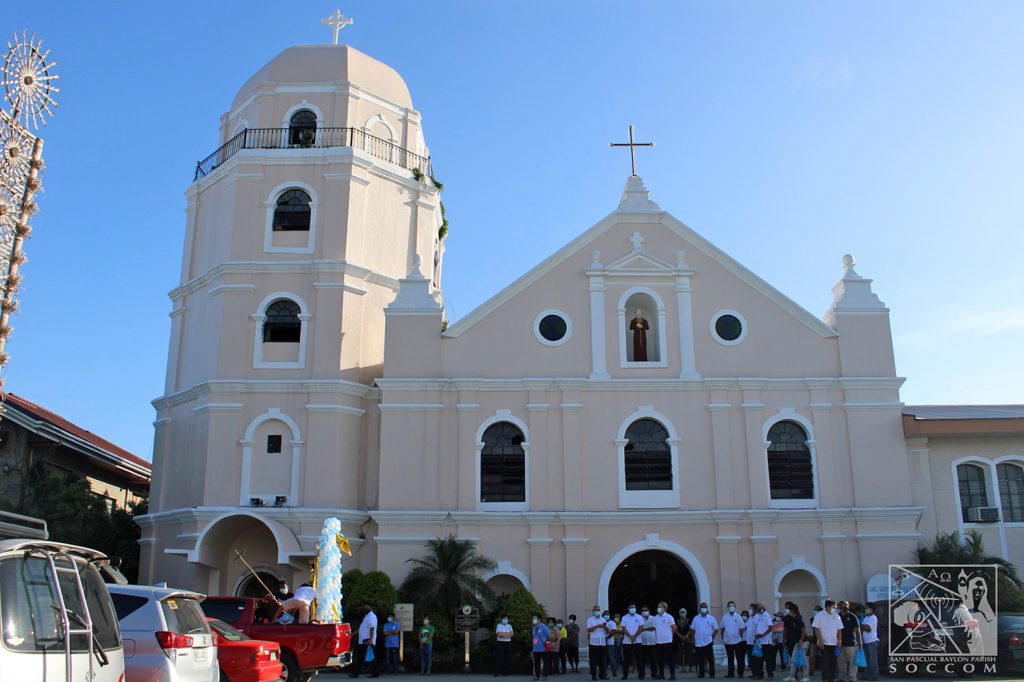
{"x": 373, "y": 588}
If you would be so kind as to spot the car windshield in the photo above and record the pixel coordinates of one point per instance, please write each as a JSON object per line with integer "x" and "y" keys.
{"x": 184, "y": 616}
{"x": 227, "y": 632}
{"x": 31, "y": 610}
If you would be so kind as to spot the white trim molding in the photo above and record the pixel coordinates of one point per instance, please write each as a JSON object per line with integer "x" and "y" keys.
{"x": 273, "y": 414}
{"x": 790, "y": 414}
{"x": 260, "y": 317}
{"x": 504, "y": 415}
{"x": 271, "y": 206}
{"x": 506, "y": 568}
{"x": 647, "y": 499}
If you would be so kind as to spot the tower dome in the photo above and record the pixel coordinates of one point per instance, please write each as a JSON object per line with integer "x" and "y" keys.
{"x": 308, "y": 64}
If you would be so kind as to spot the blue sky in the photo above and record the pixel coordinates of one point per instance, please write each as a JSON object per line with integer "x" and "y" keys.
{"x": 788, "y": 133}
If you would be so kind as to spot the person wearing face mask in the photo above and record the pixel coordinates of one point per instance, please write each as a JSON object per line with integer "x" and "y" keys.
{"x": 572, "y": 643}
{"x": 762, "y": 624}
{"x": 812, "y": 648}
{"x": 367, "y": 641}
{"x": 563, "y": 647}
{"x": 554, "y": 636}
{"x": 540, "y": 633}
{"x": 749, "y": 636}
{"x": 283, "y": 593}
{"x": 869, "y": 635}
{"x": 503, "y": 647}
{"x": 703, "y": 628}
{"x": 597, "y": 638}
{"x": 664, "y": 631}
{"x": 827, "y": 626}
{"x": 614, "y": 648}
{"x": 733, "y": 626}
{"x": 849, "y": 643}
{"x": 648, "y": 651}
{"x": 392, "y": 632}
{"x": 632, "y": 627}
{"x": 794, "y": 632}
{"x": 426, "y": 646}
{"x": 683, "y": 640}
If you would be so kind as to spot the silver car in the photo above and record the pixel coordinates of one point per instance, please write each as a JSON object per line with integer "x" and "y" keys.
{"x": 165, "y": 634}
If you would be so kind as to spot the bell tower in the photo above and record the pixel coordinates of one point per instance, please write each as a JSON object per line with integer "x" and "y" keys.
{"x": 299, "y": 226}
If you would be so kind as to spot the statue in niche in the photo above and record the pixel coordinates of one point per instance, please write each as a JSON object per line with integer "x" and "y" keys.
{"x": 639, "y": 326}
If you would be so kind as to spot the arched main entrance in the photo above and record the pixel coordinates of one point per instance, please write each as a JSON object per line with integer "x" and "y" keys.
{"x": 251, "y": 587}
{"x": 651, "y": 576}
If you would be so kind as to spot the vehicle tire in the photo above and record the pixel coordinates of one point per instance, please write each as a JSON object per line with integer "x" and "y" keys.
{"x": 290, "y": 667}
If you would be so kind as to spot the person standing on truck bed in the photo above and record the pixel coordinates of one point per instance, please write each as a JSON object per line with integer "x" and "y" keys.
{"x": 367, "y": 641}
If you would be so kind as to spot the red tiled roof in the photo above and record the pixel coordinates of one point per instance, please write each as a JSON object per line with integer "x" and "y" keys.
{"x": 42, "y": 414}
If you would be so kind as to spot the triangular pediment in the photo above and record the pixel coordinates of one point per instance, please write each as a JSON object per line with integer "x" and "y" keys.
{"x": 640, "y": 262}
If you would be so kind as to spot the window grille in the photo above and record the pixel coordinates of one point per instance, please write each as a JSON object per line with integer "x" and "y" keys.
{"x": 790, "y": 471}
{"x": 503, "y": 464}
{"x": 648, "y": 456}
{"x": 282, "y": 324}
{"x": 292, "y": 212}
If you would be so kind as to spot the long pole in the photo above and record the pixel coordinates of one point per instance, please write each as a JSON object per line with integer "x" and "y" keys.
{"x": 258, "y": 579}
{"x": 21, "y": 230}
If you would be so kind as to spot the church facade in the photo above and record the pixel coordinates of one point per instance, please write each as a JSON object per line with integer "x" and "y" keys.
{"x": 638, "y": 416}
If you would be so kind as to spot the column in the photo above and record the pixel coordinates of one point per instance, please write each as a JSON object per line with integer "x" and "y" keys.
{"x": 721, "y": 448}
{"x": 572, "y": 456}
{"x": 540, "y": 557}
{"x": 756, "y": 448}
{"x": 687, "y": 356}
{"x": 597, "y": 327}
{"x": 469, "y": 418}
{"x": 575, "y": 573}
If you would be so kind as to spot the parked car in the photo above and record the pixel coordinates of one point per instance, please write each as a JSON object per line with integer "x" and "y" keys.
{"x": 58, "y": 620}
{"x": 1010, "y": 639}
{"x": 305, "y": 649}
{"x": 165, "y": 633}
{"x": 243, "y": 659}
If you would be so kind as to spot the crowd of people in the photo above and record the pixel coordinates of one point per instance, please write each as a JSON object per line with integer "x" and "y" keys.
{"x": 835, "y": 643}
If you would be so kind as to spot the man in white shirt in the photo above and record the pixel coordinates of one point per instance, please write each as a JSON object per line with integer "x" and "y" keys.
{"x": 664, "y": 630}
{"x": 648, "y": 645}
{"x": 761, "y": 621}
{"x": 503, "y": 648}
{"x": 869, "y": 636}
{"x": 704, "y": 628}
{"x": 732, "y": 636}
{"x": 367, "y": 639}
{"x": 632, "y": 627}
{"x": 827, "y": 626}
{"x": 597, "y": 638}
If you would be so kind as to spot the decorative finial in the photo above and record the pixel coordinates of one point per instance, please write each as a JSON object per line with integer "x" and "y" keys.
{"x": 337, "y": 21}
{"x": 681, "y": 260}
{"x": 638, "y": 241}
{"x": 632, "y": 145}
{"x": 595, "y": 256}
{"x": 848, "y": 263}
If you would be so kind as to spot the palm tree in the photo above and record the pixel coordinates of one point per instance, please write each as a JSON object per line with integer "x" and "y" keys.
{"x": 449, "y": 575}
{"x": 950, "y": 548}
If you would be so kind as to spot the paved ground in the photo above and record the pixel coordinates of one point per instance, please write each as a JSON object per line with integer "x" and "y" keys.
{"x": 584, "y": 677}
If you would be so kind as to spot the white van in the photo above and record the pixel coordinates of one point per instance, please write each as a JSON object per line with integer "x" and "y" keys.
{"x": 57, "y": 618}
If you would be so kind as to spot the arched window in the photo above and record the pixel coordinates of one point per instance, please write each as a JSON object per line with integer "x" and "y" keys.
{"x": 503, "y": 464}
{"x": 282, "y": 324}
{"x": 1011, "y": 491}
{"x": 648, "y": 456}
{"x": 302, "y": 128}
{"x": 973, "y": 492}
{"x": 292, "y": 212}
{"x": 790, "y": 472}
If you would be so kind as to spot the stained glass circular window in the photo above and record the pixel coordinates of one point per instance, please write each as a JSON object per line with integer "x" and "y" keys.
{"x": 552, "y": 328}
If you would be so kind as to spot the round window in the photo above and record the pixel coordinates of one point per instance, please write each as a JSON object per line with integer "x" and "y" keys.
{"x": 552, "y": 328}
{"x": 728, "y": 327}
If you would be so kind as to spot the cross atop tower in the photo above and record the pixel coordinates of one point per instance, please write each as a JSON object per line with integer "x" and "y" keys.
{"x": 632, "y": 145}
{"x": 336, "y": 21}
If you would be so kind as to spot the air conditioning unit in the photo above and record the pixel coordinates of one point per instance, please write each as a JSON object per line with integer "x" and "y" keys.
{"x": 983, "y": 514}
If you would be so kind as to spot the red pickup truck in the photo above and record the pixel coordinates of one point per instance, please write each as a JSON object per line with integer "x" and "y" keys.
{"x": 305, "y": 649}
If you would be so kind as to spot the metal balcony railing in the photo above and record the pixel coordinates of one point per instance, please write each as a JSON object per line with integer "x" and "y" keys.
{"x": 310, "y": 138}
